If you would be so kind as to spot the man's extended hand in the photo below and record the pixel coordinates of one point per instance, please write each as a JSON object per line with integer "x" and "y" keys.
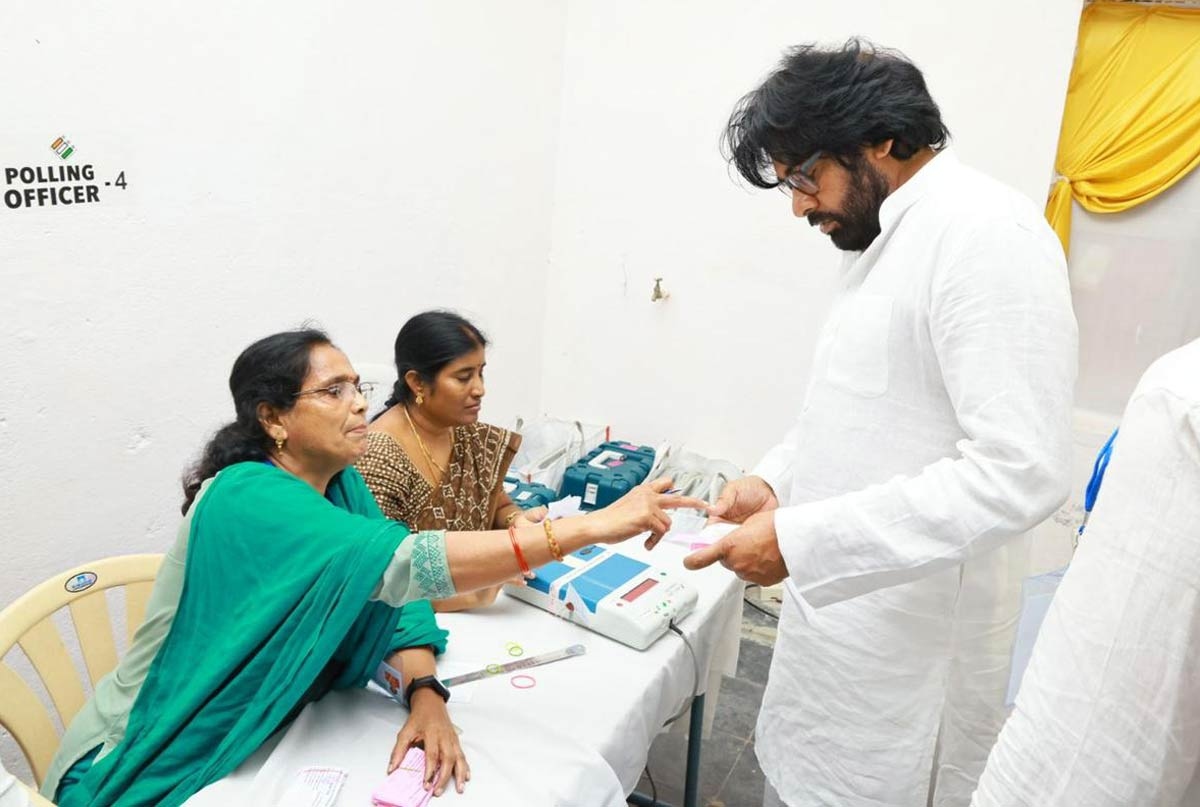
{"x": 741, "y": 499}
{"x": 751, "y": 552}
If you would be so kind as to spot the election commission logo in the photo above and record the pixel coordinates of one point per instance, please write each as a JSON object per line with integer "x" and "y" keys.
{"x": 64, "y": 183}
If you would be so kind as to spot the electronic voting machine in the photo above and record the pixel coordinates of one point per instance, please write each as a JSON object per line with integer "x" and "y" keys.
{"x": 609, "y": 593}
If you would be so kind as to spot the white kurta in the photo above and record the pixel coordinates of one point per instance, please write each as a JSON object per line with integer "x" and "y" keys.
{"x": 1109, "y": 711}
{"x": 935, "y": 432}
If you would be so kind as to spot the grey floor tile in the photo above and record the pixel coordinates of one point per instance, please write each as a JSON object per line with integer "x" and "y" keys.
{"x": 667, "y": 793}
{"x": 721, "y": 751}
{"x": 668, "y": 760}
{"x": 754, "y": 661}
{"x": 744, "y": 785}
{"x": 737, "y": 709}
{"x": 730, "y": 776}
{"x": 668, "y": 763}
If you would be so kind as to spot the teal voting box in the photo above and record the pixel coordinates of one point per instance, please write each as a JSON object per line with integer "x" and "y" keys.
{"x": 528, "y": 494}
{"x": 643, "y": 454}
{"x": 607, "y": 473}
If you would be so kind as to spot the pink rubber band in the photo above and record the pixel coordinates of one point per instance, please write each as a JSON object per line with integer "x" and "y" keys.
{"x": 532, "y": 681}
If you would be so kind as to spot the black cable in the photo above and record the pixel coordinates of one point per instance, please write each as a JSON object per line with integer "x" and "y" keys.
{"x": 695, "y": 673}
{"x": 695, "y": 693}
{"x": 760, "y": 609}
{"x": 686, "y": 707}
{"x": 755, "y": 605}
{"x": 650, "y": 779}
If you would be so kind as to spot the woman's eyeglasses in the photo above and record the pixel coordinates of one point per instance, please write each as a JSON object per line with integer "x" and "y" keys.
{"x": 341, "y": 391}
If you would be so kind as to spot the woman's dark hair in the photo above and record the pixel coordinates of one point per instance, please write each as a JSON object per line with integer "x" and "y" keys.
{"x": 427, "y": 343}
{"x": 269, "y": 371}
{"x": 834, "y": 101}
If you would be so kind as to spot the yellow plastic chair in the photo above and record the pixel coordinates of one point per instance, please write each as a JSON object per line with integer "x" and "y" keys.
{"x": 27, "y": 622}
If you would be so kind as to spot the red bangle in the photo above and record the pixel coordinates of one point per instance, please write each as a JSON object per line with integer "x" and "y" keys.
{"x": 512, "y": 536}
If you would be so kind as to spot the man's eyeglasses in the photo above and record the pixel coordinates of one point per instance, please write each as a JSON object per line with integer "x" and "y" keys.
{"x": 800, "y": 178}
{"x": 342, "y": 391}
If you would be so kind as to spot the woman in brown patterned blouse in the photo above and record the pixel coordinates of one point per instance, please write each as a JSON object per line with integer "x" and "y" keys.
{"x": 430, "y": 462}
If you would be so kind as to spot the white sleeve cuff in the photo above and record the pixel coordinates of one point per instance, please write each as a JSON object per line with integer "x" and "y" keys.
{"x": 777, "y": 475}
{"x": 808, "y": 540}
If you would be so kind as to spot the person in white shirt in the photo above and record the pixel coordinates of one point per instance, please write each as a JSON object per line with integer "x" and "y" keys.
{"x": 1108, "y": 714}
{"x": 935, "y": 432}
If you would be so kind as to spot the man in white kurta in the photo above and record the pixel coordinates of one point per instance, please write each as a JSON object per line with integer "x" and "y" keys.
{"x": 1108, "y": 713}
{"x": 934, "y": 433}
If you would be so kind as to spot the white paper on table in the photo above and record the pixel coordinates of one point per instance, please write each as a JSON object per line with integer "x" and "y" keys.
{"x": 565, "y": 507}
{"x": 1037, "y": 592}
{"x": 686, "y": 526}
{"x": 315, "y": 787}
{"x": 703, "y": 537}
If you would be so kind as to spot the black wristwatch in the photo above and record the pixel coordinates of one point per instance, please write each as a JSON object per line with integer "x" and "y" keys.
{"x": 430, "y": 681}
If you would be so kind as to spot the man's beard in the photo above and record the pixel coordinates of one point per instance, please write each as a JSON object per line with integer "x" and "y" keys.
{"x": 858, "y": 222}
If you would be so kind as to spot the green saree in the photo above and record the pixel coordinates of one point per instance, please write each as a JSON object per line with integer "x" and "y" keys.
{"x": 285, "y": 595}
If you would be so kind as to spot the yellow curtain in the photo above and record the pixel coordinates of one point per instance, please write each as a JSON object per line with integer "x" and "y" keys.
{"x": 1131, "y": 126}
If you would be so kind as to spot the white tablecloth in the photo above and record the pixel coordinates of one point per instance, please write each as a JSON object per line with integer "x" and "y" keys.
{"x": 580, "y": 736}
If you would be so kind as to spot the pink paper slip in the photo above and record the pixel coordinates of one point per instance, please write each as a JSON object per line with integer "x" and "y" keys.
{"x": 405, "y": 786}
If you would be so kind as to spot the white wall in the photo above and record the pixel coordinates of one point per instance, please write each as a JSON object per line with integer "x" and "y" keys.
{"x": 353, "y": 163}
{"x": 1136, "y": 296}
{"x": 643, "y": 192}
{"x": 1136, "y": 290}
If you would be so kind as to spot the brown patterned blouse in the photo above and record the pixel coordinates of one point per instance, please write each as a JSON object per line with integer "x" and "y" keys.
{"x": 471, "y": 496}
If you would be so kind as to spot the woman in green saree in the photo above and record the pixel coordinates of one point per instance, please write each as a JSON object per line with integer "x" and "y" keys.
{"x": 286, "y": 582}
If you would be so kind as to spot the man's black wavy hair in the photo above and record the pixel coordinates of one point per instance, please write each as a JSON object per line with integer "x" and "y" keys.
{"x": 835, "y": 101}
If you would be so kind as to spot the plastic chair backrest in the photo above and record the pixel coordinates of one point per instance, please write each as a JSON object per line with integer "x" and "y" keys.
{"x": 28, "y": 623}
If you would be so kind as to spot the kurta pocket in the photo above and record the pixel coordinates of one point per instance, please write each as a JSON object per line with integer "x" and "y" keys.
{"x": 858, "y": 358}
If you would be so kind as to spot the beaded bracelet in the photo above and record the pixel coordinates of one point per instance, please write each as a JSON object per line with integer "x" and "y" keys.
{"x": 555, "y": 549}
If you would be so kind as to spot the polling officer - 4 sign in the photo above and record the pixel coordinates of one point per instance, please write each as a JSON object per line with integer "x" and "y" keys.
{"x": 61, "y": 184}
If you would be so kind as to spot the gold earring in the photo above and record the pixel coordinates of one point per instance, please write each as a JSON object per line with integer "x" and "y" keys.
{"x": 279, "y": 443}
{"x": 420, "y": 399}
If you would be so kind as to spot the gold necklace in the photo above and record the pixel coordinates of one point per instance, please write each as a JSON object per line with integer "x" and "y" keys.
{"x": 440, "y": 473}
